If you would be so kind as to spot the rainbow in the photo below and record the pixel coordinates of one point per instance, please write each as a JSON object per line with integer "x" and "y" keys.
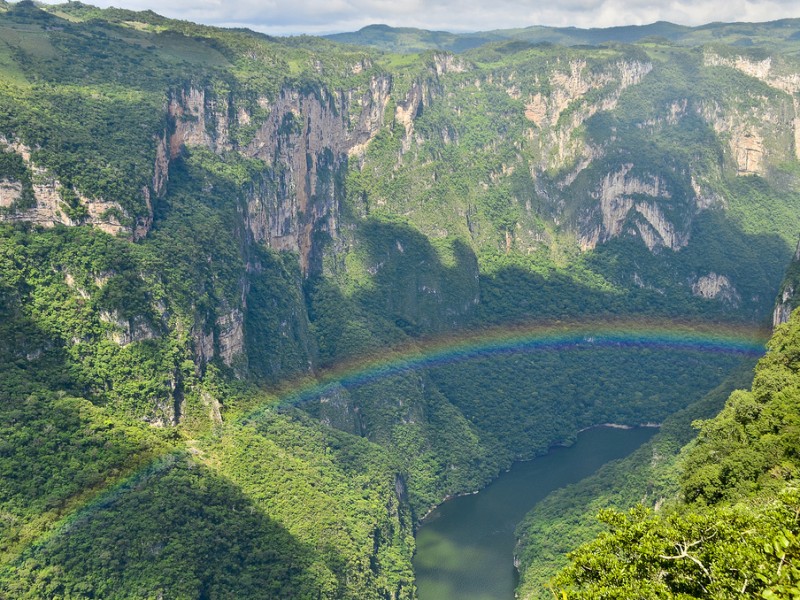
{"x": 98, "y": 500}
{"x": 519, "y": 339}
{"x": 444, "y": 350}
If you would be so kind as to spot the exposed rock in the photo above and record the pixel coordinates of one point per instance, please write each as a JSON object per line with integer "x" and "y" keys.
{"x": 203, "y": 343}
{"x": 705, "y": 199}
{"x": 784, "y": 306}
{"x": 444, "y": 62}
{"x": 199, "y": 120}
{"x": 748, "y": 126}
{"x": 225, "y": 339}
{"x": 748, "y": 151}
{"x": 214, "y": 407}
{"x": 161, "y": 167}
{"x": 70, "y": 281}
{"x": 619, "y": 194}
{"x": 127, "y": 331}
{"x": 230, "y": 338}
{"x": 558, "y": 112}
{"x": 10, "y": 192}
{"x": 144, "y": 222}
{"x": 716, "y": 287}
{"x": 760, "y": 69}
{"x": 408, "y": 109}
{"x": 657, "y": 230}
{"x": 305, "y": 143}
{"x": 370, "y": 110}
{"x": 787, "y": 300}
{"x": 50, "y": 209}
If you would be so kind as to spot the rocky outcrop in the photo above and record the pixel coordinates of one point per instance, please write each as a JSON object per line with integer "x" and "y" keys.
{"x": 198, "y": 119}
{"x": 305, "y": 143}
{"x": 621, "y": 201}
{"x": 127, "y": 331}
{"x": 161, "y": 166}
{"x": 444, "y": 63}
{"x": 763, "y": 70}
{"x": 562, "y": 108}
{"x": 230, "y": 336}
{"x": 788, "y": 298}
{"x": 784, "y": 306}
{"x": 49, "y": 208}
{"x": 223, "y": 339}
{"x": 203, "y": 344}
{"x": 409, "y": 108}
{"x": 422, "y": 93}
{"x": 10, "y": 193}
{"x": 747, "y": 132}
{"x": 716, "y": 287}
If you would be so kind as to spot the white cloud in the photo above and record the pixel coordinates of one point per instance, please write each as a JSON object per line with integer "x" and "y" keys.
{"x": 325, "y": 16}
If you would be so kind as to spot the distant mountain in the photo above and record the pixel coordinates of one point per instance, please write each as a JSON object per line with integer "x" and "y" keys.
{"x": 266, "y": 301}
{"x": 774, "y": 34}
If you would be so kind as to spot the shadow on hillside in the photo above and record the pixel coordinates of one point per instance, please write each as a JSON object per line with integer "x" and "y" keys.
{"x": 179, "y": 532}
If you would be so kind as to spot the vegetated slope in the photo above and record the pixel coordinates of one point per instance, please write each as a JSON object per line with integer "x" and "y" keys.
{"x": 197, "y": 223}
{"x": 734, "y": 530}
{"x": 567, "y": 518}
{"x": 776, "y": 35}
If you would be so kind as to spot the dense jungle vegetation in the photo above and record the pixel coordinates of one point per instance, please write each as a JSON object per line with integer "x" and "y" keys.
{"x": 196, "y": 223}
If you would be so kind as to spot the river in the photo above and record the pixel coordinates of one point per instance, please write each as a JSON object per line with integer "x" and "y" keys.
{"x": 465, "y": 547}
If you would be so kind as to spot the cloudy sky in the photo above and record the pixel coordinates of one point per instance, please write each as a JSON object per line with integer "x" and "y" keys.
{"x": 279, "y": 17}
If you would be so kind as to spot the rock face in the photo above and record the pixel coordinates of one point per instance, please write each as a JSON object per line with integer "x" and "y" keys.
{"x": 49, "y": 207}
{"x": 747, "y": 131}
{"x": 784, "y": 306}
{"x": 223, "y": 339}
{"x": 716, "y": 287}
{"x": 304, "y": 144}
{"x": 787, "y": 299}
{"x": 623, "y": 199}
{"x": 230, "y": 337}
{"x": 199, "y": 119}
{"x": 558, "y": 112}
{"x": 126, "y": 331}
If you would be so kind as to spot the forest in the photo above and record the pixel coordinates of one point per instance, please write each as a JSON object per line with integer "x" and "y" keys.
{"x": 209, "y": 236}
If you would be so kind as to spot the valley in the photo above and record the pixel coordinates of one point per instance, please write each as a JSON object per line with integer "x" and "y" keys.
{"x": 266, "y": 302}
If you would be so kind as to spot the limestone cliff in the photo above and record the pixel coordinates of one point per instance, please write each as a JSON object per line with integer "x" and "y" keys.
{"x": 756, "y": 120}
{"x": 563, "y": 106}
{"x": 54, "y": 204}
{"x": 716, "y": 287}
{"x": 788, "y": 298}
{"x": 622, "y": 195}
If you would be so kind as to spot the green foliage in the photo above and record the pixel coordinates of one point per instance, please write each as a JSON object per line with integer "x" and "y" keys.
{"x": 13, "y": 169}
{"x": 723, "y": 552}
{"x": 735, "y": 531}
{"x": 456, "y": 217}
{"x": 648, "y": 477}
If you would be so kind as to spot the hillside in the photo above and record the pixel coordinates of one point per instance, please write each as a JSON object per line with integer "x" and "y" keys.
{"x": 777, "y": 36}
{"x": 268, "y": 300}
{"x": 732, "y": 530}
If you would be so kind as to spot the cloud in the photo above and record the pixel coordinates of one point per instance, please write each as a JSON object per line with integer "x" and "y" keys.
{"x": 281, "y": 17}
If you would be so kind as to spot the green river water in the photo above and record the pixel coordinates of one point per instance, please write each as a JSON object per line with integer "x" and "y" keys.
{"x": 465, "y": 547}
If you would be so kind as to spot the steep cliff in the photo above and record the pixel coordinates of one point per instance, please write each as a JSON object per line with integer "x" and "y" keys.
{"x": 234, "y": 267}
{"x": 787, "y": 299}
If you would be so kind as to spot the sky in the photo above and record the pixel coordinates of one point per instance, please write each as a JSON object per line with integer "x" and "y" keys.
{"x": 288, "y": 17}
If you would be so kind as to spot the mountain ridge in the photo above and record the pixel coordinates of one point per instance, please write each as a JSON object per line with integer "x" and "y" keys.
{"x": 192, "y": 217}
{"x": 412, "y": 39}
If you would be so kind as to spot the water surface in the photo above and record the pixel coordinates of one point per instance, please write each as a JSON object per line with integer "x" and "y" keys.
{"x": 465, "y": 548}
